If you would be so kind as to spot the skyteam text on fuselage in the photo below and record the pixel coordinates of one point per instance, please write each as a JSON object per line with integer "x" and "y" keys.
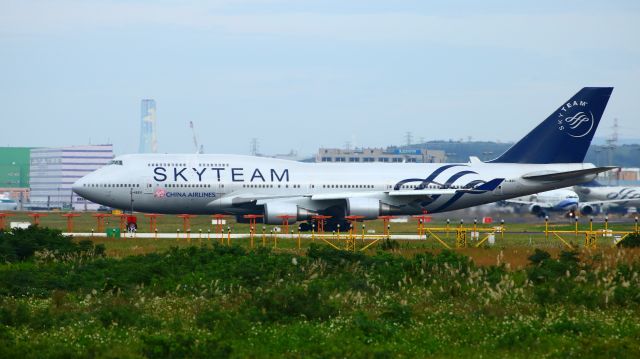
{"x": 549, "y": 157}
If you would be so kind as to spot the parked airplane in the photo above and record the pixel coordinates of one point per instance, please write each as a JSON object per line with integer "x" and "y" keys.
{"x": 549, "y": 157}
{"x": 7, "y": 204}
{"x": 616, "y": 197}
{"x": 559, "y": 200}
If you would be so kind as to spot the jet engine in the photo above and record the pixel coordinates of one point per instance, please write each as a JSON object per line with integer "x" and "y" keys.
{"x": 535, "y": 209}
{"x": 369, "y": 208}
{"x": 587, "y": 209}
{"x": 272, "y": 211}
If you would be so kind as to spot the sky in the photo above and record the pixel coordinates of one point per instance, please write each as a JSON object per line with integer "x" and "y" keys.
{"x": 299, "y": 74}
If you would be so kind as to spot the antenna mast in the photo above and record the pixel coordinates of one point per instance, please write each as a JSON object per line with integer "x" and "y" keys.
{"x": 195, "y": 139}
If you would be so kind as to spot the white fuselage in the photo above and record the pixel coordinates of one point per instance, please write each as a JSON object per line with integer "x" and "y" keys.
{"x": 8, "y": 205}
{"x": 208, "y": 184}
{"x": 611, "y": 193}
{"x": 562, "y": 199}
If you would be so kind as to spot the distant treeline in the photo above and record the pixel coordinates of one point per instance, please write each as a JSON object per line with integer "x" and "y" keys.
{"x": 456, "y": 151}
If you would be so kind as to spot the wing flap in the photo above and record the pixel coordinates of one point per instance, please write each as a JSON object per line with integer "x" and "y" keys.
{"x": 560, "y": 176}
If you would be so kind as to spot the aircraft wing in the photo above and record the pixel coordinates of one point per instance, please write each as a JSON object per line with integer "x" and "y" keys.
{"x": 560, "y": 176}
{"x": 245, "y": 198}
{"x": 602, "y": 203}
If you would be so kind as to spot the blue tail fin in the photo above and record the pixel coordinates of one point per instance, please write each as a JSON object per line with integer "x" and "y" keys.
{"x": 565, "y": 136}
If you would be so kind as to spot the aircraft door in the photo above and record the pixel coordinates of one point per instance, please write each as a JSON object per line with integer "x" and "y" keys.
{"x": 147, "y": 186}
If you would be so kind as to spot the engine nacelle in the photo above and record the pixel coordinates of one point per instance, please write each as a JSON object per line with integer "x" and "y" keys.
{"x": 370, "y": 208}
{"x": 272, "y": 211}
{"x": 587, "y": 209}
{"x": 535, "y": 209}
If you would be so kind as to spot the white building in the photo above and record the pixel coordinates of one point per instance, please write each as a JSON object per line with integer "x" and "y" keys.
{"x": 148, "y": 133}
{"x": 54, "y": 170}
{"x": 380, "y": 155}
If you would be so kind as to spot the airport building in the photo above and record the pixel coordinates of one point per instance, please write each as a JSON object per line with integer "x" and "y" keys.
{"x": 391, "y": 155}
{"x": 54, "y": 170}
{"x": 14, "y": 172}
{"x": 622, "y": 176}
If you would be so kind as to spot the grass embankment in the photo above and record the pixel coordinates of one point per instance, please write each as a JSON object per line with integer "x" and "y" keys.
{"x": 67, "y": 300}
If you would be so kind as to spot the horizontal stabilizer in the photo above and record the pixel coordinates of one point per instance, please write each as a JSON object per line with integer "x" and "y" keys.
{"x": 561, "y": 176}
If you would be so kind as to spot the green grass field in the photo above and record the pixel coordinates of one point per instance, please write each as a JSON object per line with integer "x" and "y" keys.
{"x": 62, "y": 297}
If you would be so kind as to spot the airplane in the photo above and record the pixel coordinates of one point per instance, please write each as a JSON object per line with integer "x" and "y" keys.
{"x": 562, "y": 200}
{"x": 550, "y": 156}
{"x": 557, "y": 200}
{"x": 615, "y": 197}
{"x": 7, "y": 204}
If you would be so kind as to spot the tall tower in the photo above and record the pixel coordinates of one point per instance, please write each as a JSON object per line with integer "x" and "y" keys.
{"x": 148, "y": 139}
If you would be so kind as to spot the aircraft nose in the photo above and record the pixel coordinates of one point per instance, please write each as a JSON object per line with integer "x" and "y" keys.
{"x": 78, "y": 186}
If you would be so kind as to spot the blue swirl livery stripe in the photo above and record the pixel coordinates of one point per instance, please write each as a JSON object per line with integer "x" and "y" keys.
{"x": 474, "y": 183}
{"x": 457, "y": 195}
{"x": 448, "y": 203}
{"x": 429, "y": 179}
{"x": 458, "y": 175}
{"x": 427, "y": 201}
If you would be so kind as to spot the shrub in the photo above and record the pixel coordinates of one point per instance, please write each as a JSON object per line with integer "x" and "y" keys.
{"x": 14, "y": 314}
{"x": 334, "y": 256}
{"x": 389, "y": 245}
{"x": 632, "y": 241}
{"x": 293, "y": 302}
{"x": 222, "y": 321}
{"x": 539, "y": 256}
{"x": 183, "y": 345}
{"x": 370, "y": 328}
{"x": 397, "y": 313}
{"x": 23, "y": 244}
{"x": 120, "y": 312}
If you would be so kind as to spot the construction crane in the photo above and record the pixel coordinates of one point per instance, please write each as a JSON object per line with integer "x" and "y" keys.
{"x": 195, "y": 139}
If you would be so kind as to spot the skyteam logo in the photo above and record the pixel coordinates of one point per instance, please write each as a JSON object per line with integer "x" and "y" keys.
{"x": 575, "y": 124}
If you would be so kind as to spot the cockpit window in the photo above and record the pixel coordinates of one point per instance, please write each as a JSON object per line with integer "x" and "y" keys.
{"x": 116, "y": 162}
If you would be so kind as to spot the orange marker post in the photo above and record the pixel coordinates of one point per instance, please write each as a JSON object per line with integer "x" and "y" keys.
{"x": 285, "y": 221}
{"x": 153, "y": 221}
{"x": 219, "y": 224}
{"x": 70, "y": 217}
{"x": 385, "y": 221}
{"x": 320, "y": 221}
{"x": 422, "y": 219}
{"x": 3, "y": 216}
{"x": 186, "y": 221}
{"x": 123, "y": 221}
{"x": 36, "y": 217}
{"x": 100, "y": 219}
{"x": 252, "y": 224}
